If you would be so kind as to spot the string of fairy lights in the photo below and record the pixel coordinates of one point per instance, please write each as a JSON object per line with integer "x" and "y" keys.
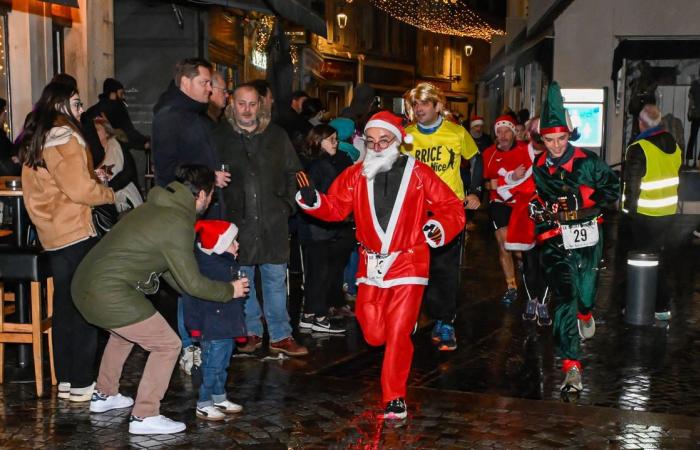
{"x": 450, "y": 17}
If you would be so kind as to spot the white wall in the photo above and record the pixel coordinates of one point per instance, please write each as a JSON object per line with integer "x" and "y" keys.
{"x": 89, "y": 51}
{"x": 587, "y": 33}
{"x": 31, "y": 57}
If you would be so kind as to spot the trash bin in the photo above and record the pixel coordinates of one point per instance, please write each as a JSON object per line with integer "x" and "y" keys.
{"x": 642, "y": 272}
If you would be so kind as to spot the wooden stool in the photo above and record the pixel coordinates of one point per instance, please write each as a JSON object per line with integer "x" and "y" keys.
{"x": 28, "y": 266}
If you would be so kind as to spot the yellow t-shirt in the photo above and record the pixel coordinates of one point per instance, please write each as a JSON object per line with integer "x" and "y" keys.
{"x": 443, "y": 151}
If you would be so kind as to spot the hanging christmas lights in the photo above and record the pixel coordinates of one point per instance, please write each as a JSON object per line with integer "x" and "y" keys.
{"x": 451, "y": 17}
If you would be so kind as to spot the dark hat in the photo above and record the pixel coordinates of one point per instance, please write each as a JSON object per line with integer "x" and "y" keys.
{"x": 111, "y": 85}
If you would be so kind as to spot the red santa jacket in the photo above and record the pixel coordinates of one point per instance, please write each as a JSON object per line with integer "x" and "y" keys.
{"x": 500, "y": 166}
{"x": 420, "y": 191}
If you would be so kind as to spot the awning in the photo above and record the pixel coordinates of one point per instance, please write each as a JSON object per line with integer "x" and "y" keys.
{"x": 293, "y": 10}
{"x": 650, "y": 49}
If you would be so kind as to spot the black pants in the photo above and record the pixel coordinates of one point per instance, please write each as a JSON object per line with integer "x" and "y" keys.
{"x": 440, "y": 298}
{"x": 324, "y": 266}
{"x": 690, "y": 149}
{"x": 74, "y": 340}
{"x": 535, "y": 286}
{"x": 653, "y": 234}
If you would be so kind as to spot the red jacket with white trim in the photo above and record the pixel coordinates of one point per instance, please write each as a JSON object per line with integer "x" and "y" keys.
{"x": 421, "y": 190}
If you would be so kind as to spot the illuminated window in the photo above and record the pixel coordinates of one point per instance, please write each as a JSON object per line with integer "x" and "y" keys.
{"x": 259, "y": 60}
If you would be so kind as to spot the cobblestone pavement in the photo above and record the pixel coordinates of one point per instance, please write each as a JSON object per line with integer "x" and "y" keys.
{"x": 498, "y": 390}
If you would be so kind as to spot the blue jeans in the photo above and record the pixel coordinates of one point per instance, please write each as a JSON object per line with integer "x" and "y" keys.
{"x": 181, "y": 330}
{"x": 275, "y": 295}
{"x": 215, "y": 359}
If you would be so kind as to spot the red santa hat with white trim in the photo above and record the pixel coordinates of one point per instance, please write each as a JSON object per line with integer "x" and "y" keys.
{"x": 476, "y": 120}
{"x": 391, "y": 122}
{"x": 504, "y": 121}
{"x": 215, "y": 236}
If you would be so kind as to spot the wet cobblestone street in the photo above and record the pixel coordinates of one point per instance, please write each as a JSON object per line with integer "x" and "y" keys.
{"x": 500, "y": 389}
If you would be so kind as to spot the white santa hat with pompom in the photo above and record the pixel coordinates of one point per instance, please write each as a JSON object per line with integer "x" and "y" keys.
{"x": 390, "y": 122}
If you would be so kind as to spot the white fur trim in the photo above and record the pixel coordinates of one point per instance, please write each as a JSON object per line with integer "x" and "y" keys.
{"x": 304, "y": 206}
{"x": 442, "y": 238}
{"x": 61, "y": 135}
{"x": 517, "y": 246}
{"x": 393, "y": 282}
{"x": 387, "y": 126}
{"x": 474, "y": 123}
{"x": 504, "y": 123}
{"x": 225, "y": 239}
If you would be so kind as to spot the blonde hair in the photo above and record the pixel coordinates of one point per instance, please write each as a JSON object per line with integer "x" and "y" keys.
{"x": 424, "y": 92}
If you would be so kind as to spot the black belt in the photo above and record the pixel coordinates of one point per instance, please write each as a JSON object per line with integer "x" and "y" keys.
{"x": 579, "y": 214}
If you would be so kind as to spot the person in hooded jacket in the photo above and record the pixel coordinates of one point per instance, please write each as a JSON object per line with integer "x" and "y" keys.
{"x": 327, "y": 246}
{"x": 346, "y": 129}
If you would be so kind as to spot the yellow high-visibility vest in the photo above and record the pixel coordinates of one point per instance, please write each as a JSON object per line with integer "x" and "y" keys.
{"x": 658, "y": 195}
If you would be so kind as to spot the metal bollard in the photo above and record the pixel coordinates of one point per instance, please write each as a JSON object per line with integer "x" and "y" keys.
{"x": 642, "y": 272}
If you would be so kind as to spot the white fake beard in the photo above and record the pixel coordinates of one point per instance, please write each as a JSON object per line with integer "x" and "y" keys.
{"x": 378, "y": 162}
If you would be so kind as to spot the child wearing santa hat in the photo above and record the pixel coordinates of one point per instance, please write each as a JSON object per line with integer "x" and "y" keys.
{"x": 213, "y": 324}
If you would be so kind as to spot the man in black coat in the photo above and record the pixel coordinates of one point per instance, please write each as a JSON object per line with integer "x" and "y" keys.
{"x": 264, "y": 164}
{"x": 181, "y": 130}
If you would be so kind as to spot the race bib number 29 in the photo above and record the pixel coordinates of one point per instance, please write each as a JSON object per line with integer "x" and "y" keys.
{"x": 580, "y": 235}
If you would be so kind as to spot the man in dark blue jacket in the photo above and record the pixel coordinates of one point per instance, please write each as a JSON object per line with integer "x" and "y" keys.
{"x": 181, "y": 129}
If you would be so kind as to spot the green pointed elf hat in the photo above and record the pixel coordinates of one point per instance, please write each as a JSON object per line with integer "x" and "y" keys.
{"x": 554, "y": 118}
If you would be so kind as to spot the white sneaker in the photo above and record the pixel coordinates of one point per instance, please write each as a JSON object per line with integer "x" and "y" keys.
{"x": 210, "y": 413}
{"x": 228, "y": 407}
{"x": 83, "y": 394}
{"x": 154, "y": 425}
{"x": 102, "y": 403}
{"x": 586, "y": 328}
{"x": 64, "y": 390}
{"x": 572, "y": 381}
{"x": 187, "y": 359}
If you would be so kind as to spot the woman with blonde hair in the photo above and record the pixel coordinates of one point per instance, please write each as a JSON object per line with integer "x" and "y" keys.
{"x": 60, "y": 188}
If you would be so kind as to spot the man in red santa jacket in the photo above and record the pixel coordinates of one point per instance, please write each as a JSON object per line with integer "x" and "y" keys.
{"x": 401, "y": 207}
{"x": 509, "y": 196}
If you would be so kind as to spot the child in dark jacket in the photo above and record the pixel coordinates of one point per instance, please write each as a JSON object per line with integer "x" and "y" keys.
{"x": 214, "y": 324}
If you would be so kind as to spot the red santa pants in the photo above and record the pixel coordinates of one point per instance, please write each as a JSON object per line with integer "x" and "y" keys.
{"x": 388, "y": 316}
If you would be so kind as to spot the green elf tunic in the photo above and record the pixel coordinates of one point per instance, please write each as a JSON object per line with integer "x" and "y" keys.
{"x": 572, "y": 274}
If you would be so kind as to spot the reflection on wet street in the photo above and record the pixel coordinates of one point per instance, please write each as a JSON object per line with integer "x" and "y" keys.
{"x": 499, "y": 389}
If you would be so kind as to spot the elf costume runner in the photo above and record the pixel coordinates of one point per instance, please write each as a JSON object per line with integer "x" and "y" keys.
{"x": 572, "y": 185}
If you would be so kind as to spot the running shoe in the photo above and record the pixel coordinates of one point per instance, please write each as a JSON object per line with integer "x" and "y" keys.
{"x": 586, "y": 328}
{"x": 543, "y": 318}
{"x": 572, "y": 381}
{"x": 510, "y": 296}
{"x": 530, "y": 310}
{"x": 448, "y": 341}
{"x": 395, "y": 409}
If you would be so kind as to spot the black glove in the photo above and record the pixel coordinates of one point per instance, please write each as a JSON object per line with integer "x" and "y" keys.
{"x": 433, "y": 233}
{"x": 308, "y": 194}
{"x": 306, "y": 188}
